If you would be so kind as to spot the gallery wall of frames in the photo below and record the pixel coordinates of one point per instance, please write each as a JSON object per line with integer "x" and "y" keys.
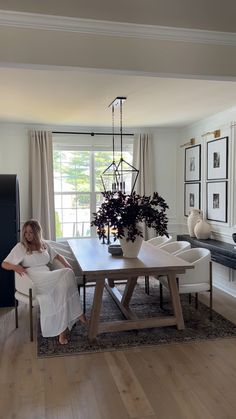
{"x": 216, "y": 179}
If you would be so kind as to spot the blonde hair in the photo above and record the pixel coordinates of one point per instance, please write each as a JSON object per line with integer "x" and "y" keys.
{"x": 37, "y": 233}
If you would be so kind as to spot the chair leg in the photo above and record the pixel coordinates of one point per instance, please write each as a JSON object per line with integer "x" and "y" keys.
{"x": 211, "y": 292}
{"x": 161, "y": 295}
{"x": 189, "y": 298}
{"x": 31, "y": 314}
{"x": 211, "y": 304}
{"x": 84, "y": 295}
{"x": 147, "y": 284}
{"x": 16, "y": 313}
{"x": 196, "y": 301}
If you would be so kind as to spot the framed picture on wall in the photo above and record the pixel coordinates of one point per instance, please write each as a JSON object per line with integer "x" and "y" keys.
{"x": 217, "y": 201}
{"x": 191, "y": 197}
{"x": 192, "y": 167}
{"x": 217, "y": 159}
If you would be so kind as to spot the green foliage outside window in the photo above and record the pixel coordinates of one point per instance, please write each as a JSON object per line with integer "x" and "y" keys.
{"x": 73, "y": 176}
{"x": 58, "y": 225}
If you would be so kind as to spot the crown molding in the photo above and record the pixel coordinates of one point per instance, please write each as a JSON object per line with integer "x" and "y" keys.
{"x": 117, "y": 29}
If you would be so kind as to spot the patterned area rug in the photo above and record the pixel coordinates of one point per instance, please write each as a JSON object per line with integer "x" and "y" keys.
{"x": 198, "y": 327}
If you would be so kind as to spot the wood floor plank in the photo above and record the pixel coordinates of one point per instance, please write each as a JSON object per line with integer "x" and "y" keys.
{"x": 129, "y": 387}
{"x": 197, "y": 377}
{"x": 175, "y": 381}
{"x": 156, "y": 391}
{"x": 82, "y": 396}
{"x": 57, "y": 388}
{"x": 180, "y": 381}
{"x": 214, "y": 376}
{"x": 107, "y": 394}
{"x": 60, "y": 412}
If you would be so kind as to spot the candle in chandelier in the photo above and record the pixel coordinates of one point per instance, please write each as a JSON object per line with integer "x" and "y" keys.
{"x": 122, "y": 187}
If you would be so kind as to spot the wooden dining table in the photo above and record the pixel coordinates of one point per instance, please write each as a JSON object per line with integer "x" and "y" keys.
{"x": 99, "y": 266}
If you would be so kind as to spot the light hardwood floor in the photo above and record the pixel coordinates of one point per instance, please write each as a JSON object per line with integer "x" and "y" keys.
{"x": 181, "y": 381}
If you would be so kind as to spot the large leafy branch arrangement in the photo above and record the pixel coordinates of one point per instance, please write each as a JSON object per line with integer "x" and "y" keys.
{"x": 125, "y": 211}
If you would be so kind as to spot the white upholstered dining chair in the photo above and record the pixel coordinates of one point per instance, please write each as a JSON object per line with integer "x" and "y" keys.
{"x": 158, "y": 241}
{"x": 194, "y": 280}
{"x": 176, "y": 247}
{"x": 24, "y": 288}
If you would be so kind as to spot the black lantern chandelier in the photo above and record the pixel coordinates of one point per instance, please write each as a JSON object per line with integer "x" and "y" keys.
{"x": 121, "y": 176}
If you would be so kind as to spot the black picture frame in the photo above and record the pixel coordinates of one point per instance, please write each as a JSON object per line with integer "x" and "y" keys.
{"x": 217, "y": 201}
{"x": 192, "y": 197}
{"x": 217, "y": 159}
{"x": 192, "y": 164}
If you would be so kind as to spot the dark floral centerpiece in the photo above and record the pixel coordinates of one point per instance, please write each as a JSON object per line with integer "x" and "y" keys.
{"x": 125, "y": 213}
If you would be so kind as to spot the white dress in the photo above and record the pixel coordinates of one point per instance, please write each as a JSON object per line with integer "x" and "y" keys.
{"x": 56, "y": 291}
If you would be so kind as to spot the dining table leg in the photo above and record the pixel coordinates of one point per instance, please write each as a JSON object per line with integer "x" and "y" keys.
{"x": 175, "y": 298}
{"x": 96, "y": 308}
{"x": 128, "y": 291}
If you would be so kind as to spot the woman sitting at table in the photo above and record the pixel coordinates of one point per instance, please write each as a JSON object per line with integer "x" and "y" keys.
{"x": 56, "y": 291}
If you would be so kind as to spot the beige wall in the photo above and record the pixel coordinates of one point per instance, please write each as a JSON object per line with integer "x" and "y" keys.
{"x": 14, "y": 159}
{"x": 223, "y": 121}
{"x": 168, "y": 159}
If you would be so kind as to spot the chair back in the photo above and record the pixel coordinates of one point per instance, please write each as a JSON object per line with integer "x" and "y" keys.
{"x": 160, "y": 240}
{"x": 64, "y": 249}
{"x": 200, "y": 258}
{"x": 175, "y": 247}
{"x": 195, "y": 254}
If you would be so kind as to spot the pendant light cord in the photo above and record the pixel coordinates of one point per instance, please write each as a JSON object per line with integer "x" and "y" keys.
{"x": 121, "y": 130}
{"x": 113, "y": 133}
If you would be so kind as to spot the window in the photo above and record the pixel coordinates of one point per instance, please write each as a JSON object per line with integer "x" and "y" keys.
{"x": 78, "y": 162}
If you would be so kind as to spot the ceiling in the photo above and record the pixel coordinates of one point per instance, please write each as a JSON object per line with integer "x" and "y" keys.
{"x": 81, "y": 97}
{"x": 73, "y": 96}
{"x": 202, "y": 14}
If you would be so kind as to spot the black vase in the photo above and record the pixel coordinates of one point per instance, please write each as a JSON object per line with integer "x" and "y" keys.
{"x": 234, "y": 237}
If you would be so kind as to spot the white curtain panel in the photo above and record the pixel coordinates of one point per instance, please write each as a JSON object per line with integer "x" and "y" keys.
{"x": 143, "y": 161}
{"x": 41, "y": 181}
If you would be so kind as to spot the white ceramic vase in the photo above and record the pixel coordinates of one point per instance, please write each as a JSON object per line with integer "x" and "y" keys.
{"x": 131, "y": 249}
{"x": 202, "y": 230}
{"x": 194, "y": 216}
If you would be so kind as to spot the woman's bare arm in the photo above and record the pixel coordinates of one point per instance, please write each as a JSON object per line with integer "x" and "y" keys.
{"x": 63, "y": 261}
{"x": 16, "y": 268}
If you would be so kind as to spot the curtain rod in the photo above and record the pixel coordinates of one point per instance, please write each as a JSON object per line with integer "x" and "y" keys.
{"x": 89, "y": 133}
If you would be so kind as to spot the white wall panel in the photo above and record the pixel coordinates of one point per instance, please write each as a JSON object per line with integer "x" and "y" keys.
{"x": 14, "y": 159}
